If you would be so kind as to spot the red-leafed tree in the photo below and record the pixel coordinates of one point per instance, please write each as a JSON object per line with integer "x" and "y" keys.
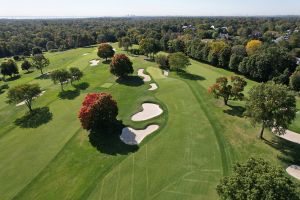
{"x": 121, "y": 66}
{"x": 105, "y": 51}
{"x": 98, "y": 110}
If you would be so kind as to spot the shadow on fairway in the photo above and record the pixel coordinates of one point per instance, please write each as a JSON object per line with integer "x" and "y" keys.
{"x": 290, "y": 151}
{"x": 29, "y": 72}
{"x": 35, "y": 119}
{"x": 133, "y": 81}
{"x": 13, "y": 78}
{"x": 108, "y": 141}
{"x": 81, "y": 86}
{"x": 106, "y": 62}
{"x": 43, "y": 76}
{"x": 187, "y": 75}
{"x": 237, "y": 111}
{"x": 69, "y": 94}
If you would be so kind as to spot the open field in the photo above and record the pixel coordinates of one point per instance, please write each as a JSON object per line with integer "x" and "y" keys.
{"x": 198, "y": 141}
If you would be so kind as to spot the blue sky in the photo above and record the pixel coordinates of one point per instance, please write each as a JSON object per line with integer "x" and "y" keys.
{"x": 148, "y": 7}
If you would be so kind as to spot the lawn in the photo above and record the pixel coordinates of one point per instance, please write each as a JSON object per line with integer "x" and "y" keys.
{"x": 198, "y": 141}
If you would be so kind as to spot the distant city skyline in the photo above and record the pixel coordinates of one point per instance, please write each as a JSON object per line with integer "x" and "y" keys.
{"x": 101, "y": 8}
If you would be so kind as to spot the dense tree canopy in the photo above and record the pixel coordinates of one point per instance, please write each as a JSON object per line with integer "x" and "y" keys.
{"x": 257, "y": 179}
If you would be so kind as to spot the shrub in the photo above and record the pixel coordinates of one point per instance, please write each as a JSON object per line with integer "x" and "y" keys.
{"x": 162, "y": 61}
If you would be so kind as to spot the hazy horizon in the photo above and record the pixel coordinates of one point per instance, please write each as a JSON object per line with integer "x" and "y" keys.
{"x": 101, "y": 8}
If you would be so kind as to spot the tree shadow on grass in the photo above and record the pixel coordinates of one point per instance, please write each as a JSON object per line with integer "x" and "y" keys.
{"x": 16, "y": 77}
{"x": 108, "y": 141}
{"x": 189, "y": 76}
{"x": 81, "y": 86}
{"x": 290, "y": 150}
{"x": 35, "y": 119}
{"x": 237, "y": 111}
{"x": 29, "y": 72}
{"x": 133, "y": 81}
{"x": 43, "y": 76}
{"x": 106, "y": 62}
{"x": 69, "y": 94}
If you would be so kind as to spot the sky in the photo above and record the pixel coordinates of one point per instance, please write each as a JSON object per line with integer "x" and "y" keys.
{"x": 94, "y": 8}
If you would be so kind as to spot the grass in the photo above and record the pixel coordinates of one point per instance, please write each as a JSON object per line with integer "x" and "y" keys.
{"x": 198, "y": 141}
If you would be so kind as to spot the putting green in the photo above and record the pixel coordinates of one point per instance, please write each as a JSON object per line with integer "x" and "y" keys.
{"x": 198, "y": 141}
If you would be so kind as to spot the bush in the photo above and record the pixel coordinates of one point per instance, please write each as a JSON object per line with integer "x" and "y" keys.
{"x": 135, "y": 52}
{"x": 16, "y": 58}
{"x": 98, "y": 111}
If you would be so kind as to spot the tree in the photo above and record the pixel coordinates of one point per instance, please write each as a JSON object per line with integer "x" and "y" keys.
{"x": 257, "y": 179}
{"x": 149, "y": 46}
{"x": 51, "y": 45}
{"x": 121, "y": 66}
{"x": 295, "y": 81}
{"x": 228, "y": 92}
{"x": 162, "y": 61}
{"x": 252, "y": 46}
{"x": 178, "y": 61}
{"x": 24, "y": 93}
{"x": 105, "y": 51}
{"x": 62, "y": 76}
{"x": 39, "y": 61}
{"x": 125, "y": 43}
{"x": 98, "y": 110}
{"x": 26, "y": 65}
{"x": 75, "y": 74}
{"x": 36, "y": 50}
{"x": 271, "y": 105}
{"x": 9, "y": 68}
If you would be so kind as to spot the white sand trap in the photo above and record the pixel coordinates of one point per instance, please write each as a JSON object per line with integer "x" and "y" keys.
{"x": 291, "y": 136}
{"x": 114, "y": 50}
{"x": 85, "y": 54}
{"x": 150, "y": 110}
{"x": 166, "y": 73}
{"x": 153, "y": 86}
{"x": 294, "y": 171}
{"x": 23, "y": 102}
{"x": 146, "y": 77}
{"x": 94, "y": 62}
{"x": 131, "y": 136}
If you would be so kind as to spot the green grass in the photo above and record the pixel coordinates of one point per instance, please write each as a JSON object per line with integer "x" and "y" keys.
{"x": 198, "y": 141}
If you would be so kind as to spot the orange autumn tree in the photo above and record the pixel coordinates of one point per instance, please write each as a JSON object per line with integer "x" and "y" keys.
{"x": 252, "y": 46}
{"x": 105, "y": 51}
{"x": 222, "y": 88}
{"x": 98, "y": 111}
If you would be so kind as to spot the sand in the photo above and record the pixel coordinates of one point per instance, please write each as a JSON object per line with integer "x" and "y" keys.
{"x": 23, "y": 102}
{"x": 294, "y": 171}
{"x": 291, "y": 136}
{"x": 94, "y": 62}
{"x": 153, "y": 87}
{"x": 85, "y": 54}
{"x": 131, "y": 136}
{"x": 166, "y": 73}
{"x": 147, "y": 78}
{"x": 150, "y": 110}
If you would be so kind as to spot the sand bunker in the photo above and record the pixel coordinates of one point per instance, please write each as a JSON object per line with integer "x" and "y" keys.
{"x": 153, "y": 86}
{"x": 166, "y": 73}
{"x": 294, "y": 171}
{"x": 23, "y": 102}
{"x": 131, "y": 136}
{"x": 150, "y": 110}
{"x": 85, "y": 54}
{"x": 291, "y": 136}
{"x": 94, "y": 62}
{"x": 147, "y": 78}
